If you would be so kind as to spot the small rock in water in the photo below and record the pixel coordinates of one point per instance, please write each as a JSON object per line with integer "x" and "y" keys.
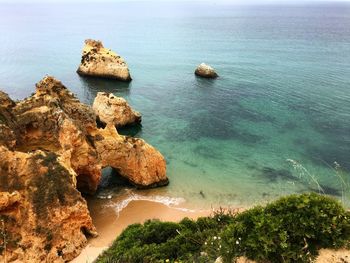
{"x": 202, "y": 194}
{"x": 206, "y": 71}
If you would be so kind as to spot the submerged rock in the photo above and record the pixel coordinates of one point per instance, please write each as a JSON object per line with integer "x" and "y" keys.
{"x": 114, "y": 110}
{"x": 98, "y": 61}
{"x": 55, "y": 151}
{"x": 206, "y": 71}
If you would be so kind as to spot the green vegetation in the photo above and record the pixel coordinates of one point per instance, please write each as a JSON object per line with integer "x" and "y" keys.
{"x": 8, "y": 238}
{"x": 2, "y": 119}
{"x": 291, "y": 229}
{"x": 157, "y": 241}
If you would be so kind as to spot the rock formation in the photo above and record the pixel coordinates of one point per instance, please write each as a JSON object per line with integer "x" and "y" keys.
{"x": 114, "y": 110}
{"x": 98, "y": 61}
{"x": 138, "y": 161}
{"x": 43, "y": 216}
{"x": 206, "y": 71}
{"x": 51, "y": 150}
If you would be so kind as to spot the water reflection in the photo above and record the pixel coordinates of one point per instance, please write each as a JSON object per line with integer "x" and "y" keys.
{"x": 92, "y": 85}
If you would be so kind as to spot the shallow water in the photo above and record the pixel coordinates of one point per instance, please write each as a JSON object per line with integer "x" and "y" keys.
{"x": 283, "y": 91}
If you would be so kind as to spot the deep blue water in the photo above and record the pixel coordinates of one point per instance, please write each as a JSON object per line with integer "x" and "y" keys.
{"x": 283, "y": 91}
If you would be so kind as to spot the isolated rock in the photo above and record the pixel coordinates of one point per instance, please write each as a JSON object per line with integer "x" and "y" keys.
{"x": 114, "y": 110}
{"x": 206, "y": 71}
{"x": 98, "y": 61}
{"x": 54, "y": 151}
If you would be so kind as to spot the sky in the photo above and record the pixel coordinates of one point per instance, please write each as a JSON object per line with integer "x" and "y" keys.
{"x": 214, "y": 1}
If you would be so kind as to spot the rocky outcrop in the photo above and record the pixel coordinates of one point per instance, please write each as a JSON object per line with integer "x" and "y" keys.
{"x": 98, "y": 61}
{"x": 114, "y": 110}
{"x": 206, "y": 71}
{"x": 51, "y": 150}
{"x": 8, "y": 199}
{"x": 43, "y": 216}
{"x": 143, "y": 164}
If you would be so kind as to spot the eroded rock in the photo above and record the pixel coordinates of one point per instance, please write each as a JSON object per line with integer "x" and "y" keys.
{"x": 8, "y": 199}
{"x": 142, "y": 163}
{"x": 51, "y": 147}
{"x": 99, "y": 61}
{"x": 43, "y": 216}
{"x": 114, "y": 110}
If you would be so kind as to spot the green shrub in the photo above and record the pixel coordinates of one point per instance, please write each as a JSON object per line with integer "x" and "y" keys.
{"x": 157, "y": 241}
{"x": 291, "y": 229}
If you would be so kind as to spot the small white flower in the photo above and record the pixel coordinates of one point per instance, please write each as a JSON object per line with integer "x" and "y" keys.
{"x": 237, "y": 242}
{"x": 215, "y": 237}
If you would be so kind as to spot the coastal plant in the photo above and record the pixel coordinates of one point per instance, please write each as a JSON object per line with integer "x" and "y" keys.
{"x": 304, "y": 173}
{"x": 156, "y": 241}
{"x": 337, "y": 171}
{"x": 291, "y": 229}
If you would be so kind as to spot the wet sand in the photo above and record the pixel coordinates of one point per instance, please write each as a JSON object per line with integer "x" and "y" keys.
{"x": 109, "y": 224}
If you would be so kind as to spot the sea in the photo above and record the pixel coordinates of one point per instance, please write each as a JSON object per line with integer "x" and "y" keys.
{"x": 275, "y": 122}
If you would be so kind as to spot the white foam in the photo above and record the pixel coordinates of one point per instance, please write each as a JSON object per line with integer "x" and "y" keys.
{"x": 172, "y": 202}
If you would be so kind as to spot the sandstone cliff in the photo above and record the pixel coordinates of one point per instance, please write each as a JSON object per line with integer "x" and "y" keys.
{"x": 98, "y": 61}
{"x": 51, "y": 150}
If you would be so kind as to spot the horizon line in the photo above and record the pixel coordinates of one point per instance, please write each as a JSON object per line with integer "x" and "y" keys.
{"x": 241, "y": 2}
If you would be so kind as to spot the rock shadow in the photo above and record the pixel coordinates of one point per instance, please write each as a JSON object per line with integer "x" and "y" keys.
{"x": 92, "y": 85}
{"x": 133, "y": 130}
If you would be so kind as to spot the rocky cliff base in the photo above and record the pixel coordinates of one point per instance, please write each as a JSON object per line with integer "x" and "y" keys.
{"x": 51, "y": 150}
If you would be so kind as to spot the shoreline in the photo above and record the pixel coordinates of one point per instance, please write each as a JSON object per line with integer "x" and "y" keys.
{"x": 109, "y": 224}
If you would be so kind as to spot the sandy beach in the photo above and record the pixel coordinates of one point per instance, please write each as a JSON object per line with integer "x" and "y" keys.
{"x": 110, "y": 224}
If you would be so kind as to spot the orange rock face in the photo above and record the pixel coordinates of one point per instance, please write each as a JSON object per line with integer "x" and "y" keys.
{"x": 43, "y": 216}
{"x": 133, "y": 158}
{"x": 50, "y": 151}
{"x": 114, "y": 110}
{"x": 8, "y": 199}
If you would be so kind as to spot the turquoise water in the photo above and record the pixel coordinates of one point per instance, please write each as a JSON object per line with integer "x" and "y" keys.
{"x": 283, "y": 91}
